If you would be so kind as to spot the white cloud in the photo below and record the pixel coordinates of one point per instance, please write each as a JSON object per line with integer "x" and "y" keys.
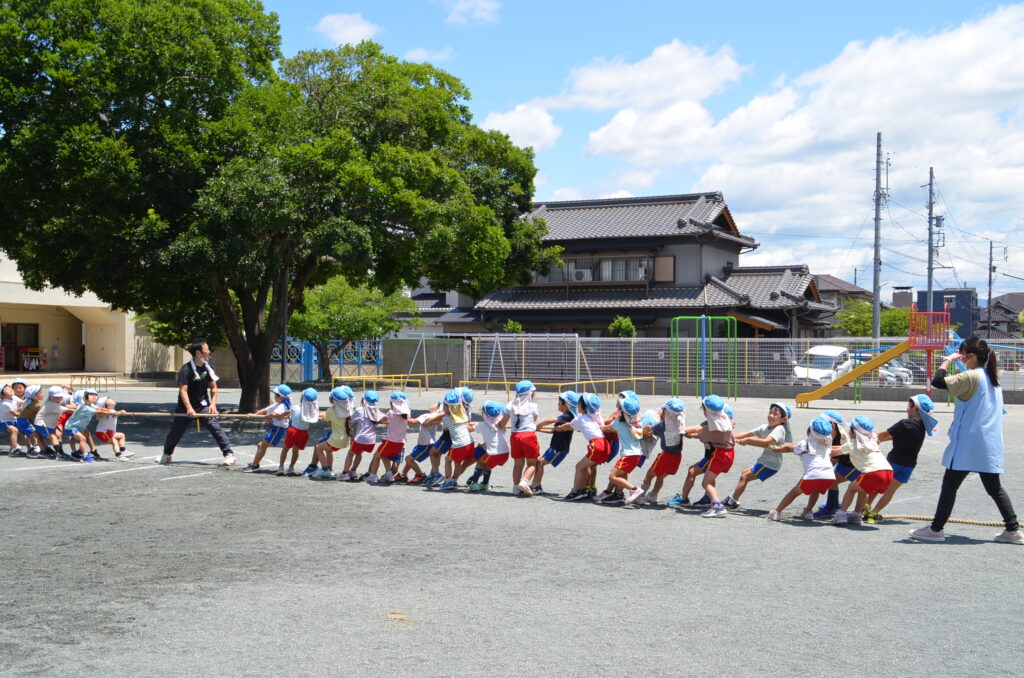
{"x": 347, "y": 28}
{"x": 424, "y": 54}
{"x": 673, "y": 72}
{"x": 618, "y": 194}
{"x": 466, "y": 12}
{"x": 527, "y": 125}
{"x": 541, "y": 180}
{"x": 567, "y": 193}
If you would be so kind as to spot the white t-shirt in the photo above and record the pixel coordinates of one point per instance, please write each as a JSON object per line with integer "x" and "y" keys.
{"x": 106, "y": 423}
{"x": 427, "y": 433}
{"x": 280, "y": 413}
{"x": 816, "y": 466}
{"x": 587, "y": 425}
{"x": 495, "y": 440}
{"x": 8, "y": 407}
{"x": 52, "y": 410}
{"x": 770, "y": 458}
{"x": 521, "y": 423}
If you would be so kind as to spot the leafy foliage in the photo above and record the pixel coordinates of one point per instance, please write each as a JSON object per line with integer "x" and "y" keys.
{"x": 512, "y": 327}
{"x": 337, "y": 310}
{"x": 622, "y": 326}
{"x": 855, "y": 320}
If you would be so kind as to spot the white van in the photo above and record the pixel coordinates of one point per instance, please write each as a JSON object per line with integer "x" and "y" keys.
{"x": 821, "y": 364}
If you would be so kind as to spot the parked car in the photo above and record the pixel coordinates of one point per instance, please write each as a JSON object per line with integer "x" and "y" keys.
{"x": 822, "y": 364}
{"x": 917, "y": 373}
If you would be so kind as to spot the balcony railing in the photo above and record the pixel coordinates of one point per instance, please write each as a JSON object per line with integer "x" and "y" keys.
{"x": 619, "y": 270}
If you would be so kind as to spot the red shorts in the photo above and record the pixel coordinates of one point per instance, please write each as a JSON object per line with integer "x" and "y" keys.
{"x": 390, "y": 449}
{"x": 628, "y": 464}
{"x": 104, "y": 436}
{"x": 819, "y": 485}
{"x": 296, "y": 438}
{"x": 462, "y": 454}
{"x": 598, "y": 450}
{"x": 666, "y": 464}
{"x": 359, "y": 448}
{"x": 721, "y": 460}
{"x": 494, "y": 460}
{"x": 876, "y": 481}
{"x": 524, "y": 445}
{"x": 63, "y": 419}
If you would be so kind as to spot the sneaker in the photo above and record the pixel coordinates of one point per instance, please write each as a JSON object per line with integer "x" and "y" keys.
{"x": 874, "y": 518}
{"x": 280, "y": 471}
{"x": 591, "y": 492}
{"x": 388, "y": 478}
{"x": 484, "y": 487}
{"x": 88, "y": 458}
{"x": 677, "y": 501}
{"x": 1007, "y": 537}
{"x": 537, "y": 490}
{"x": 32, "y": 454}
{"x": 229, "y": 459}
{"x": 602, "y": 496}
{"x": 807, "y": 515}
{"x": 651, "y": 499}
{"x": 97, "y": 457}
{"x": 824, "y": 513}
{"x": 402, "y": 478}
{"x": 321, "y": 474}
{"x": 438, "y": 481}
{"x": 614, "y": 498}
{"x": 840, "y": 518}
{"x": 577, "y": 495}
{"x": 44, "y": 454}
{"x": 166, "y": 459}
{"x": 130, "y": 454}
{"x": 926, "y": 533}
{"x": 516, "y": 492}
{"x": 310, "y": 471}
{"x": 703, "y": 502}
{"x": 120, "y": 457}
{"x": 251, "y": 468}
{"x": 363, "y": 477}
{"x": 774, "y": 516}
{"x": 64, "y": 456}
{"x": 18, "y": 452}
{"x": 525, "y": 487}
{"x": 371, "y": 479}
{"x": 730, "y": 503}
{"x": 344, "y": 475}
{"x": 635, "y": 494}
{"x": 854, "y": 518}
{"x": 448, "y": 484}
{"x": 417, "y": 479}
{"x": 291, "y": 471}
{"x": 474, "y": 486}
{"x": 716, "y": 511}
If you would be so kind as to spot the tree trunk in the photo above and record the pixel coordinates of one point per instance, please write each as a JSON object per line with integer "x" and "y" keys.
{"x": 325, "y": 360}
{"x": 255, "y": 386}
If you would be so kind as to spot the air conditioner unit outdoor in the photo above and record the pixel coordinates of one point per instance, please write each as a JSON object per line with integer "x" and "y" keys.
{"x": 583, "y": 275}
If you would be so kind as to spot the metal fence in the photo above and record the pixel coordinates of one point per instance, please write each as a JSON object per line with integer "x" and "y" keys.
{"x": 565, "y": 358}
{"x": 345, "y": 358}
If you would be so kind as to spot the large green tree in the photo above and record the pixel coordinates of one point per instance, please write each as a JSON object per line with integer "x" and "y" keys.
{"x": 155, "y": 158}
{"x": 338, "y": 311}
{"x": 855, "y": 319}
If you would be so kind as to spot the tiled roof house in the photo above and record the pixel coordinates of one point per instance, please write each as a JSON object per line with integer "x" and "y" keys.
{"x": 652, "y": 259}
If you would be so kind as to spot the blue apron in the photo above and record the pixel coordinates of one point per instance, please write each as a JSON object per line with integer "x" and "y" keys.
{"x": 976, "y": 435}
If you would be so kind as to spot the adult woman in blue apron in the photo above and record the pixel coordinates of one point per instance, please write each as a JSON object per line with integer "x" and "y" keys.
{"x": 975, "y": 438}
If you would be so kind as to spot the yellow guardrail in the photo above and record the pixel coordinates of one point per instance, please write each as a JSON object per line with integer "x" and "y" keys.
{"x": 376, "y": 382}
{"x": 610, "y": 385}
{"x": 421, "y": 379}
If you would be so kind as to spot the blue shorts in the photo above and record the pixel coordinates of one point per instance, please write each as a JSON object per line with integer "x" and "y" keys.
{"x": 420, "y": 452}
{"x": 643, "y": 460}
{"x": 555, "y": 457}
{"x": 46, "y": 431}
{"x": 846, "y": 472}
{"x": 324, "y": 439}
{"x": 75, "y": 432}
{"x": 478, "y": 452}
{"x": 614, "y": 450}
{"x": 25, "y": 426}
{"x": 762, "y": 472}
{"x": 702, "y": 465}
{"x": 275, "y": 434}
{"x": 901, "y": 473}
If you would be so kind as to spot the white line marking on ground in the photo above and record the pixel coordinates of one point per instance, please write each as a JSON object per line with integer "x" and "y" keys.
{"x": 191, "y": 475}
{"x": 143, "y": 468}
{"x": 48, "y": 467}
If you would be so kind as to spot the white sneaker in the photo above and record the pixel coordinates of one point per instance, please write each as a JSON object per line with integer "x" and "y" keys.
{"x": 388, "y": 477}
{"x": 807, "y": 515}
{"x": 635, "y": 494}
{"x": 651, "y": 498}
{"x": 604, "y": 494}
{"x": 344, "y": 475}
{"x": 525, "y": 488}
{"x": 229, "y": 459}
{"x": 372, "y": 479}
{"x": 926, "y": 533}
{"x": 164, "y": 459}
{"x": 128, "y": 453}
{"x": 1007, "y": 537}
{"x": 716, "y": 511}
{"x": 855, "y": 518}
{"x": 516, "y": 491}
{"x": 774, "y": 516}
{"x": 840, "y": 518}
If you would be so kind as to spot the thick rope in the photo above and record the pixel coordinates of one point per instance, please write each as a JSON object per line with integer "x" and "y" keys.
{"x": 962, "y": 521}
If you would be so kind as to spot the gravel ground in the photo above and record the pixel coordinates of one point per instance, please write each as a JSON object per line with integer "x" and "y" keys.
{"x": 133, "y": 568}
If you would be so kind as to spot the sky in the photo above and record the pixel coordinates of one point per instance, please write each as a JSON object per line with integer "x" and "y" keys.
{"x": 776, "y": 105}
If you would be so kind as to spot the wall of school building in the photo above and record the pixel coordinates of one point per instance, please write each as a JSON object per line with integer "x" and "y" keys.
{"x": 76, "y": 333}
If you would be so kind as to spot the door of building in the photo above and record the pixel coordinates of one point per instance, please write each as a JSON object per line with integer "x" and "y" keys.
{"x": 16, "y": 336}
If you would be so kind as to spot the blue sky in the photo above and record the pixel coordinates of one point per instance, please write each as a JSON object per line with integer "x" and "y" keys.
{"x": 774, "y": 104}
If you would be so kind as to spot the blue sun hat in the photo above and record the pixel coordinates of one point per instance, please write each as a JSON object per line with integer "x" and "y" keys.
{"x": 591, "y": 402}
{"x": 862, "y": 423}
{"x": 466, "y": 394}
{"x": 399, "y": 395}
{"x": 453, "y": 397}
{"x": 339, "y": 393}
{"x": 675, "y": 405}
{"x": 833, "y": 416}
{"x": 494, "y": 409}
{"x": 713, "y": 403}
{"x": 631, "y": 406}
{"x": 925, "y": 405}
{"x": 31, "y": 391}
{"x": 728, "y": 412}
{"x": 309, "y": 395}
{"x": 822, "y": 426}
{"x": 783, "y": 407}
{"x": 283, "y": 390}
{"x": 629, "y": 394}
{"x": 571, "y": 400}
{"x": 371, "y": 397}
{"x": 524, "y": 387}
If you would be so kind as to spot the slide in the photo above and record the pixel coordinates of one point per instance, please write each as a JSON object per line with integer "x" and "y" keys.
{"x": 802, "y": 399}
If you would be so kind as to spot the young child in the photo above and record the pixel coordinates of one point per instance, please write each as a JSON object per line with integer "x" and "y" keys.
{"x": 106, "y": 430}
{"x": 49, "y": 414}
{"x": 907, "y": 436}
{"x": 588, "y": 422}
{"x": 558, "y": 446}
{"x": 30, "y": 420}
{"x": 875, "y": 472}
{"x": 718, "y": 432}
{"x": 421, "y": 450}
{"x": 10, "y": 406}
{"x": 495, "y": 450}
{"x": 815, "y": 453}
{"x": 775, "y": 432}
{"x": 339, "y": 409}
{"x": 79, "y": 421}
{"x": 393, "y": 445}
{"x": 844, "y": 470}
{"x": 669, "y": 430}
{"x": 523, "y": 414}
{"x": 297, "y": 436}
{"x": 456, "y": 420}
{"x": 364, "y": 435}
{"x": 277, "y": 413}
{"x": 630, "y": 432}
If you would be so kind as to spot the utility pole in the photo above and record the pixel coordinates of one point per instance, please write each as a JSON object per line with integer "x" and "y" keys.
{"x": 876, "y": 311}
{"x": 988, "y": 306}
{"x": 931, "y": 237}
